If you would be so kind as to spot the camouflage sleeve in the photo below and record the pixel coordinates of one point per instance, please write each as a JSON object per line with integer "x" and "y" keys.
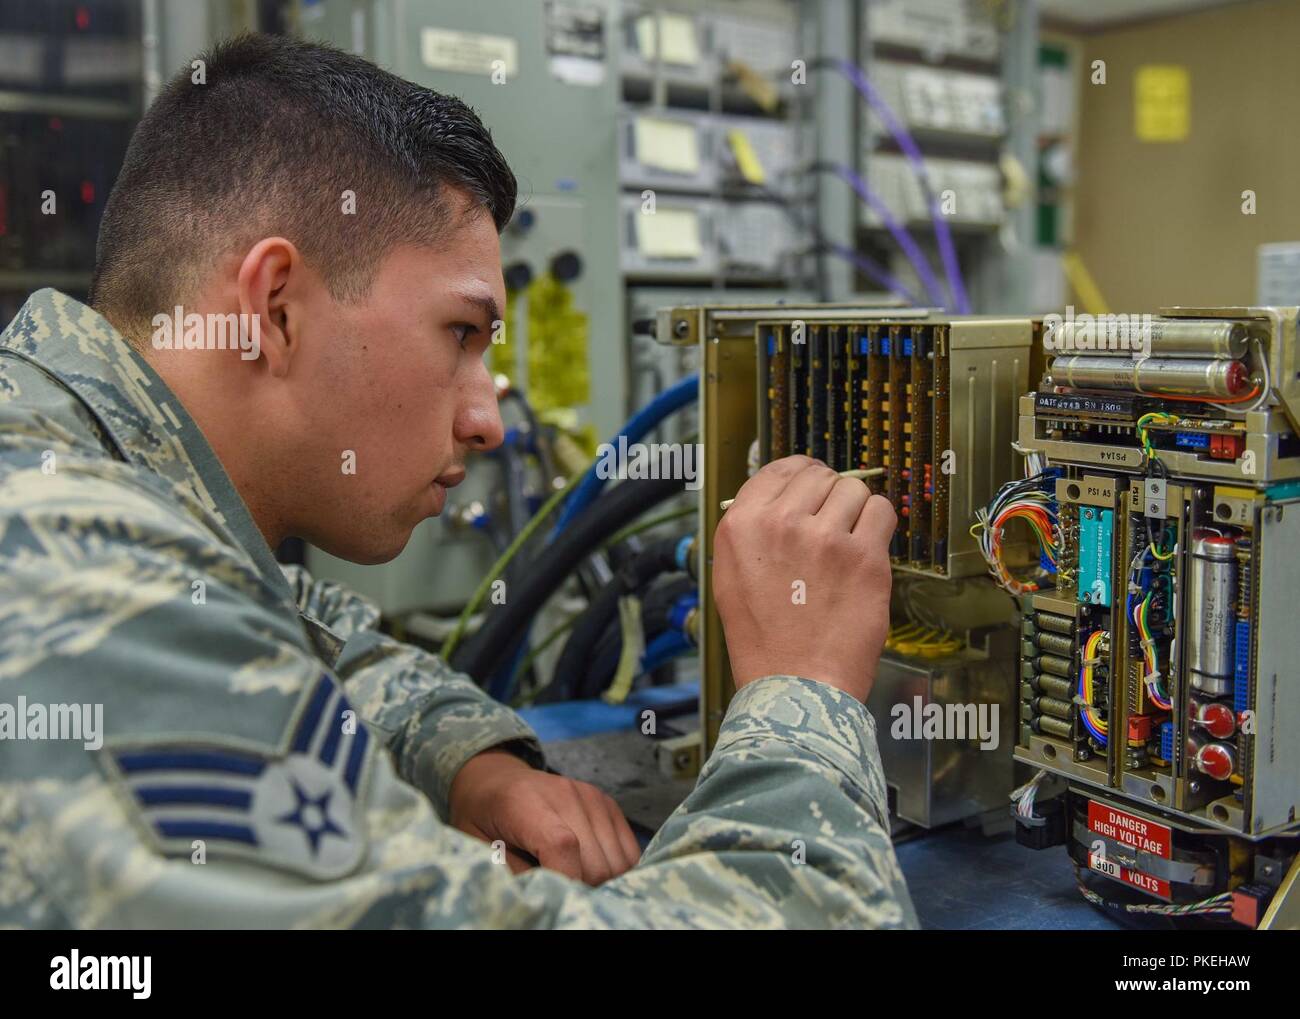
{"x": 432, "y": 717}
{"x": 788, "y": 825}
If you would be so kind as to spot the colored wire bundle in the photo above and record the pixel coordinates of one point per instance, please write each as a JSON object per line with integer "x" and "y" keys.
{"x": 1092, "y": 720}
{"x": 1153, "y": 418}
{"x": 1216, "y": 905}
{"x": 1138, "y": 607}
{"x": 1151, "y": 671}
{"x": 1020, "y": 500}
{"x": 1023, "y": 797}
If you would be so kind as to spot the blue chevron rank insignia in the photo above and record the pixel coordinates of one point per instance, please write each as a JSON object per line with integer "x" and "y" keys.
{"x": 297, "y": 810}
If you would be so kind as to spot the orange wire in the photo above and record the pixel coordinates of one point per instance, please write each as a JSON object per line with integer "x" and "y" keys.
{"x": 1203, "y": 399}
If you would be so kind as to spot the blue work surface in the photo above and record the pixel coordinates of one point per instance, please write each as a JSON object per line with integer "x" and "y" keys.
{"x": 575, "y": 719}
{"x": 961, "y": 879}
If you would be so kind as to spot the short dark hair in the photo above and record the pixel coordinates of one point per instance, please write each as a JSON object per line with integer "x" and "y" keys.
{"x": 266, "y": 146}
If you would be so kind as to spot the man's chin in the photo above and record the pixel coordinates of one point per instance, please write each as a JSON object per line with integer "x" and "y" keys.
{"x": 372, "y": 552}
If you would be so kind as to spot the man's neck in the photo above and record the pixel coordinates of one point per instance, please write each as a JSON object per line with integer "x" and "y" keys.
{"x": 223, "y": 414}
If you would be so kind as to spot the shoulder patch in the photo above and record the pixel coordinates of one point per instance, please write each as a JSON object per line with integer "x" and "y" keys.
{"x": 297, "y": 809}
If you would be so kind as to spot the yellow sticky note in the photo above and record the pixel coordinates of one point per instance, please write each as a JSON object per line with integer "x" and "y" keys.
{"x": 669, "y": 233}
{"x": 675, "y": 33}
{"x": 746, "y": 159}
{"x": 1162, "y": 103}
{"x": 667, "y": 144}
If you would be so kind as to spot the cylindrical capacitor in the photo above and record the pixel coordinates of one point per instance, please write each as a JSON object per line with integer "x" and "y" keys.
{"x": 1052, "y": 706}
{"x": 1218, "y": 760}
{"x": 1057, "y": 624}
{"x": 1055, "y": 686}
{"x": 1211, "y": 591}
{"x": 1055, "y": 726}
{"x": 1115, "y": 336}
{"x": 1211, "y": 379}
{"x": 1056, "y": 643}
{"x": 1214, "y": 717}
{"x": 1056, "y": 666}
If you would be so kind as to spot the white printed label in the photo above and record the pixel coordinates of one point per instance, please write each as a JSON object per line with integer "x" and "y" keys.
{"x": 468, "y": 52}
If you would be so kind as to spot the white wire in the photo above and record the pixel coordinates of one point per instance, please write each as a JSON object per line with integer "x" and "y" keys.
{"x": 1023, "y": 797}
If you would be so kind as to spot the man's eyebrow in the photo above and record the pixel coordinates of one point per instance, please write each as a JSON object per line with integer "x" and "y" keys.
{"x": 487, "y": 305}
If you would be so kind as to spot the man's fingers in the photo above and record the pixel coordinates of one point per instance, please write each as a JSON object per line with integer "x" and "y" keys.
{"x": 877, "y": 520}
{"x": 517, "y": 863}
{"x": 602, "y": 811}
{"x": 807, "y": 491}
{"x": 626, "y": 836}
{"x": 558, "y": 847}
{"x": 845, "y": 503}
{"x": 596, "y": 865}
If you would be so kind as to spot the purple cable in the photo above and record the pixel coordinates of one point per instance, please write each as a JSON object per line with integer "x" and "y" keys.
{"x": 905, "y": 141}
{"x": 899, "y": 232}
{"x": 874, "y": 271}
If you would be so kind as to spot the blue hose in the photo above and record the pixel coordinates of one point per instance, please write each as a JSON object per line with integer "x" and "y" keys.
{"x": 672, "y": 399}
{"x": 664, "y": 648}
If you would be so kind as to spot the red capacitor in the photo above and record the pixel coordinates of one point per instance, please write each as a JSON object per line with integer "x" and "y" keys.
{"x": 1217, "y": 719}
{"x": 1238, "y": 378}
{"x": 1216, "y": 760}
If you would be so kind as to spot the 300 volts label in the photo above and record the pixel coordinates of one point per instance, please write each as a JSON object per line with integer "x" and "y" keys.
{"x": 1143, "y": 882}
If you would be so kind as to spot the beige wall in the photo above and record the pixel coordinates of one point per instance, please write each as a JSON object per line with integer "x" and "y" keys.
{"x": 1161, "y": 223}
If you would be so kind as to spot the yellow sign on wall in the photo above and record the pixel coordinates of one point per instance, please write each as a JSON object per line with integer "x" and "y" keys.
{"x": 1162, "y": 103}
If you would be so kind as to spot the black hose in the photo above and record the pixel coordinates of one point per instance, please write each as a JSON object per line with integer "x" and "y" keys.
{"x": 660, "y": 556}
{"x": 656, "y": 617}
{"x": 483, "y": 653}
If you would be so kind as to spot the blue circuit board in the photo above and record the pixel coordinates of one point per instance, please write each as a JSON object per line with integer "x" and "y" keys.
{"x": 1095, "y": 527}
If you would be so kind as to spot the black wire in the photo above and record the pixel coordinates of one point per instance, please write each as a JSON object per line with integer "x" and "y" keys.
{"x": 483, "y": 652}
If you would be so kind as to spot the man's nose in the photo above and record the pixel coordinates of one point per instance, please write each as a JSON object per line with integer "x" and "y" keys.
{"x": 478, "y": 426}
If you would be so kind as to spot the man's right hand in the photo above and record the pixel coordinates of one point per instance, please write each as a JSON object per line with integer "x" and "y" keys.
{"x": 801, "y": 576}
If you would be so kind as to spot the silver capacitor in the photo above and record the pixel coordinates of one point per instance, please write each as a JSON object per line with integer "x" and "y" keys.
{"x": 1155, "y": 375}
{"x": 1121, "y": 336}
{"x": 1211, "y": 594}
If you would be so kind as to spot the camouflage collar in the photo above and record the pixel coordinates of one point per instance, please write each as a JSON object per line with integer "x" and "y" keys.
{"x": 142, "y": 418}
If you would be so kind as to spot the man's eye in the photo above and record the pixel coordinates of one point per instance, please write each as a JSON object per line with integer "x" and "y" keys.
{"x": 463, "y": 332}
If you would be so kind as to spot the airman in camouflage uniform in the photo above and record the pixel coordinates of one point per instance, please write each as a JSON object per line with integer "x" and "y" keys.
{"x": 271, "y": 759}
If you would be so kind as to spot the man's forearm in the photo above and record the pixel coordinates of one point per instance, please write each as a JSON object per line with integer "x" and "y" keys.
{"x": 433, "y": 718}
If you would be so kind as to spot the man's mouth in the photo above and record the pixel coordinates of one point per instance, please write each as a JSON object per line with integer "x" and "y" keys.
{"x": 440, "y": 485}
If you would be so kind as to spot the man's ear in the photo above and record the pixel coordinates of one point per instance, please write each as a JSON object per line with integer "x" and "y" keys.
{"x": 264, "y": 277}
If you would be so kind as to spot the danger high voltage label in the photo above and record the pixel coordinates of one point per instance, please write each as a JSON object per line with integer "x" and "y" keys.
{"x": 1130, "y": 830}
